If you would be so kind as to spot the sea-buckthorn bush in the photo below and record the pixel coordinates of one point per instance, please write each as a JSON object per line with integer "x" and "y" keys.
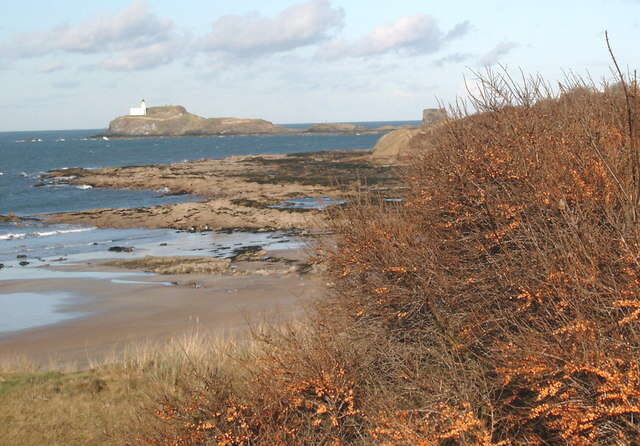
{"x": 497, "y": 304}
{"x": 511, "y": 272}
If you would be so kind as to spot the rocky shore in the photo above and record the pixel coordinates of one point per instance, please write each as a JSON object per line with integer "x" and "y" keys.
{"x": 256, "y": 193}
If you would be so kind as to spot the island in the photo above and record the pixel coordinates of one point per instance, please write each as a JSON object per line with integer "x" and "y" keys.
{"x": 336, "y": 128}
{"x": 175, "y": 120}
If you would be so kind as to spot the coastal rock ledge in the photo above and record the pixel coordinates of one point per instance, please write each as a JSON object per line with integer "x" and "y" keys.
{"x": 175, "y": 120}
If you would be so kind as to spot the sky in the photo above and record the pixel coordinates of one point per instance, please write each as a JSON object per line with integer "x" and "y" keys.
{"x": 74, "y": 64}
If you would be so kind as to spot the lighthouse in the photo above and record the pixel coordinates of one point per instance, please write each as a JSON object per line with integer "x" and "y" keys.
{"x": 139, "y": 111}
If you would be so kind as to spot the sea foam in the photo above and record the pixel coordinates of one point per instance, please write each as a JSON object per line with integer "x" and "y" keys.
{"x": 21, "y": 235}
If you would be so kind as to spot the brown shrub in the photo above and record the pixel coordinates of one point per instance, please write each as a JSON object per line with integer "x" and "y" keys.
{"x": 515, "y": 255}
{"x": 297, "y": 391}
{"x": 497, "y": 305}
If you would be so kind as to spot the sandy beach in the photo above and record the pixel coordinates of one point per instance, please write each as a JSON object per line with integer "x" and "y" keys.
{"x": 116, "y": 315}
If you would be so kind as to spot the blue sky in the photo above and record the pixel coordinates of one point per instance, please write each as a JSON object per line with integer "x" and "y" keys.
{"x": 77, "y": 64}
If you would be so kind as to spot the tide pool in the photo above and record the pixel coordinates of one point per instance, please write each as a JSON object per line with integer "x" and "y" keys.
{"x": 27, "y": 310}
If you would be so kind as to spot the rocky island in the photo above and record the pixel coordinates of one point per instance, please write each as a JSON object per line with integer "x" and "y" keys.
{"x": 336, "y": 128}
{"x": 175, "y": 120}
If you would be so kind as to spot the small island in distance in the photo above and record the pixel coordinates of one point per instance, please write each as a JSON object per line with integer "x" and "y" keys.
{"x": 175, "y": 120}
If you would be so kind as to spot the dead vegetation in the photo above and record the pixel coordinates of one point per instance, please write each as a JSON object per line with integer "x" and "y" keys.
{"x": 174, "y": 265}
{"x": 61, "y": 405}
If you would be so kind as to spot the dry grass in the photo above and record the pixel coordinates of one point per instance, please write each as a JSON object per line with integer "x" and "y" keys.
{"x": 59, "y": 404}
{"x": 175, "y": 265}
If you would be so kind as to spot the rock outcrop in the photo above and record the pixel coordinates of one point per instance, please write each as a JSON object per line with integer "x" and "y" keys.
{"x": 175, "y": 120}
{"x": 249, "y": 192}
{"x": 336, "y": 128}
{"x": 11, "y": 218}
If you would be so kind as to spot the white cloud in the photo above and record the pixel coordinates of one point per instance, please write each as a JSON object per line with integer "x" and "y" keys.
{"x": 416, "y": 34}
{"x": 135, "y": 38}
{"x": 487, "y": 59}
{"x": 146, "y": 57}
{"x": 252, "y": 34}
{"x": 459, "y": 30}
{"x": 419, "y": 31}
{"x": 135, "y": 28}
{"x": 493, "y": 57}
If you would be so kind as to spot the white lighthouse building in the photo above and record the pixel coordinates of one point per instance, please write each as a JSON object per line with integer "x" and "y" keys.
{"x": 139, "y": 111}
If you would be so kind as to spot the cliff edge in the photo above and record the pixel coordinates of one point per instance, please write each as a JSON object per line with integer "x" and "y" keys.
{"x": 175, "y": 120}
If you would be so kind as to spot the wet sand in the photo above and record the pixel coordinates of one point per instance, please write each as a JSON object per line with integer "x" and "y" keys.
{"x": 125, "y": 313}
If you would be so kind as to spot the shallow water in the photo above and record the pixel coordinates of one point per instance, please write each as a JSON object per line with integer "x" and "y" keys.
{"x": 139, "y": 282}
{"x": 69, "y": 240}
{"x": 35, "y": 273}
{"x": 27, "y": 310}
{"x": 75, "y": 244}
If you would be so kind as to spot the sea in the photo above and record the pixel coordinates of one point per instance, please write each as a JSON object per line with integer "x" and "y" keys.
{"x": 29, "y": 247}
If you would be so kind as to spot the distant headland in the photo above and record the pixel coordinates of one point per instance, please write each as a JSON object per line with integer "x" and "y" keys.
{"x": 176, "y": 121}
